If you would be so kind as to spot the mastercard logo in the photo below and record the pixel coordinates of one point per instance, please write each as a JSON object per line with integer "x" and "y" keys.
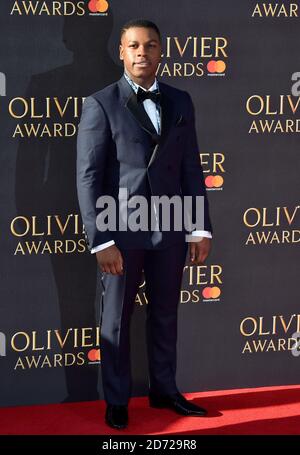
{"x": 211, "y": 292}
{"x": 98, "y": 6}
{"x": 94, "y": 355}
{"x": 214, "y": 181}
{"x": 216, "y": 66}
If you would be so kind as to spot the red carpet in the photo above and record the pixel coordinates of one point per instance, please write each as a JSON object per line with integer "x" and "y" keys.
{"x": 267, "y": 410}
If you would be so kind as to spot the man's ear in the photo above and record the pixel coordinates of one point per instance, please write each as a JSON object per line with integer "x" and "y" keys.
{"x": 121, "y": 51}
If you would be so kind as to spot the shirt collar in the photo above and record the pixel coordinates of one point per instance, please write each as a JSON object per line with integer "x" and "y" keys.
{"x": 135, "y": 86}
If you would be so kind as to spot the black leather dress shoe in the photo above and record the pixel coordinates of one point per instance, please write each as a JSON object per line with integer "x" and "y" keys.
{"x": 116, "y": 416}
{"x": 177, "y": 403}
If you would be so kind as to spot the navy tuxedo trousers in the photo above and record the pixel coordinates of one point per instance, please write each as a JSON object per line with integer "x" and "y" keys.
{"x": 163, "y": 275}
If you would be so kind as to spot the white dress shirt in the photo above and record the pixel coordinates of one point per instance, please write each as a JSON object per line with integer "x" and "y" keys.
{"x": 151, "y": 109}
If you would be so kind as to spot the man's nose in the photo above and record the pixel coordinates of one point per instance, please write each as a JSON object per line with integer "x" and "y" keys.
{"x": 142, "y": 50}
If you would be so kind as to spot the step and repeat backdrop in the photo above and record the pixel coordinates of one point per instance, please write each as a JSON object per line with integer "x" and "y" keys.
{"x": 239, "y": 318}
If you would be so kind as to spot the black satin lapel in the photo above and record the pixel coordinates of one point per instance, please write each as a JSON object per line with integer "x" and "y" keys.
{"x": 138, "y": 111}
{"x": 167, "y": 112}
{"x": 166, "y": 117}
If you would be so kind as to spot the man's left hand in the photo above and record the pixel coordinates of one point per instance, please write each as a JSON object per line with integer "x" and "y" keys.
{"x": 199, "y": 251}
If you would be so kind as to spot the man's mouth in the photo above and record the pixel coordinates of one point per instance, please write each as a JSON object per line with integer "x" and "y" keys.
{"x": 143, "y": 64}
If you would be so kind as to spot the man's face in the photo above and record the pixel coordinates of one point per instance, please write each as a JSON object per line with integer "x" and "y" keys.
{"x": 141, "y": 51}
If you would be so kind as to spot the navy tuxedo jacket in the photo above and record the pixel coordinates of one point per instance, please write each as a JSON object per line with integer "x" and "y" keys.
{"x": 118, "y": 147}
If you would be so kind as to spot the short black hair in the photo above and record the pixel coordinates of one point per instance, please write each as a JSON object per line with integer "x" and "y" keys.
{"x": 139, "y": 23}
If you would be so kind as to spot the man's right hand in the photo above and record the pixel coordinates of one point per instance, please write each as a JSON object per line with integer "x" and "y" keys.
{"x": 110, "y": 260}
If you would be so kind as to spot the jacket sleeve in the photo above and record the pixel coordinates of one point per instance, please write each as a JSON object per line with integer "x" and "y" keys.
{"x": 192, "y": 180}
{"x": 93, "y": 144}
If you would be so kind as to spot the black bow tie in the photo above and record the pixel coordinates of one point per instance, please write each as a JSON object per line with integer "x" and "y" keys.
{"x": 142, "y": 95}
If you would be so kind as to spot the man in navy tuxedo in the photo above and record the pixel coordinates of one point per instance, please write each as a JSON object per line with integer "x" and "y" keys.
{"x": 139, "y": 134}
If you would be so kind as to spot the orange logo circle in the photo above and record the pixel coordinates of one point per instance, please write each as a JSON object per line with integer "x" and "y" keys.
{"x": 98, "y": 6}
{"x": 94, "y": 355}
{"x": 214, "y": 181}
{"x": 214, "y": 66}
{"x": 211, "y": 292}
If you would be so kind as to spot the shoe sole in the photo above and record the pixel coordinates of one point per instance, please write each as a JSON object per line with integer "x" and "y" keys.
{"x": 161, "y": 406}
{"x": 116, "y": 427}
